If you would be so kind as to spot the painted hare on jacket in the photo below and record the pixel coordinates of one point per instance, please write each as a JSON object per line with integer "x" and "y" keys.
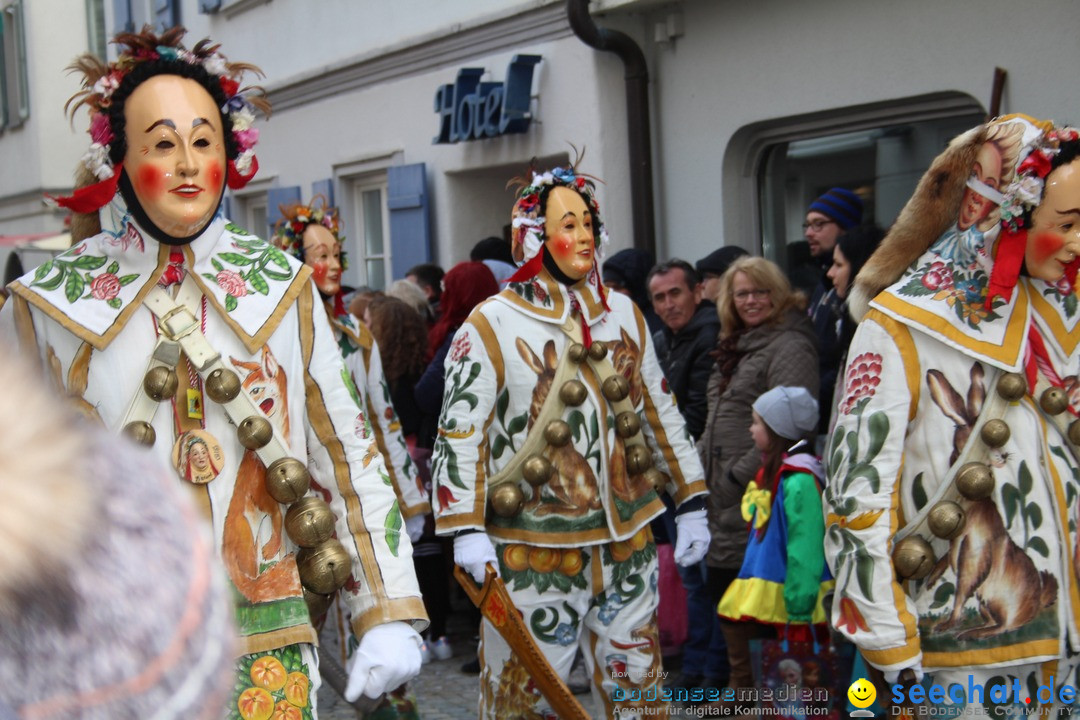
{"x": 953, "y": 472}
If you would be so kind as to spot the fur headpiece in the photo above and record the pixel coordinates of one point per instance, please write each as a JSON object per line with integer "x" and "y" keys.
{"x": 1024, "y": 145}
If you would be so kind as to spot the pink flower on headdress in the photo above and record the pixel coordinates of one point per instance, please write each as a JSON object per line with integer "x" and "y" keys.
{"x": 105, "y": 286}
{"x": 232, "y": 283}
{"x": 246, "y": 139}
{"x": 863, "y": 377}
{"x": 100, "y": 132}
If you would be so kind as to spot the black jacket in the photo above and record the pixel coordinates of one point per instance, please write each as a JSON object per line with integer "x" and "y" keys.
{"x": 687, "y": 360}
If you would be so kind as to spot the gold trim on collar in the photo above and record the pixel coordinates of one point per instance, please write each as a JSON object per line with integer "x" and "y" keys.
{"x": 1005, "y": 355}
{"x": 253, "y": 342}
{"x": 100, "y": 342}
{"x": 1050, "y": 313}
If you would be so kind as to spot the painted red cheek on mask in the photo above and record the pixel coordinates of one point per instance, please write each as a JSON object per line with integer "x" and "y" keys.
{"x": 318, "y": 272}
{"x": 150, "y": 181}
{"x": 214, "y": 176}
{"x": 1046, "y": 244}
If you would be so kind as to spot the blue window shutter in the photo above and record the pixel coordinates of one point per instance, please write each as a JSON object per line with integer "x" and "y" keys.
{"x": 275, "y": 198}
{"x": 324, "y": 188}
{"x": 209, "y": 6}
{"x": 410, "y": 226}
{"x": 226, "y": 207}
{"x": 122, "y": 16}
{"x": 166, "y": 14}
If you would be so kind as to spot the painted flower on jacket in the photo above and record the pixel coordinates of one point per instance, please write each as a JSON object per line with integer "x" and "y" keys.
{"x": 565, "y": 635}
{"x": 105, "y": 286}
{"x": 445, "y": 497}
{"x": 232, "y": 283}
{"x": 850, "y": 617}
{"x": 863, "y": 377}
{"x": 460, "y": 348}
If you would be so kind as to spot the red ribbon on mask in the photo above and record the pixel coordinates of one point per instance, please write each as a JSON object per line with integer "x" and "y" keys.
{"x": 1007, "y": 262}
{"x": 91, "y": 198}
{"x": 530, "y": 269}
{"x": 236, "y": 179}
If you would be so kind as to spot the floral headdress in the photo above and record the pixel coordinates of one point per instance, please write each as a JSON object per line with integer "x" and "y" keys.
{"x": 1019, "y": 200}
{"x": 143, "y": 55}
{"x": 528, "y": 220}
{"x": 295, "y": 219}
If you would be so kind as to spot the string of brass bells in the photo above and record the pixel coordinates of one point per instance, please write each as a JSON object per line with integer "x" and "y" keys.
{"x": 323, "y": 563}
{"x": 913, "y": 556}
{"x": 507, "y": 499}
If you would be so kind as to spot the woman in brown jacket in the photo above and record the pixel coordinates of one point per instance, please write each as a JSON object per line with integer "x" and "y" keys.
{"x": 766, "y": 340}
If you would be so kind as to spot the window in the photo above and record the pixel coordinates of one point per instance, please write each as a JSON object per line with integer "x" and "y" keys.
{"x": 882, "y": 164}
{"x": 252, "y": 215}
{"x": 14, "y": 86}
{"x": 166, "y": 14}
{"x": 96, "y": 37}
{"x": 368, "y": 244}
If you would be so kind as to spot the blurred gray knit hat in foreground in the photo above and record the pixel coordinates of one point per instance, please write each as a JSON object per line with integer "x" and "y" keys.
{"x": 111, "y": 601}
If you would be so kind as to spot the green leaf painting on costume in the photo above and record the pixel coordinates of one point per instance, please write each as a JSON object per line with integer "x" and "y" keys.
{"x": 73, "y": 272}
{"x": 458, "y": 381}
{"x": 1063, "y": 293}
{"x": 392, "y": 526}
{"x": 555, "y": 631}
{"x": 532, "y": 291}
{"x": 251, "y": 270}
{"x": 962, "y": 288}
{"x": 505, "y": 430}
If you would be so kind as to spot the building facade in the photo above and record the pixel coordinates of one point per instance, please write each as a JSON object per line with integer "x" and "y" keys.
{"x": 754, "y": 108}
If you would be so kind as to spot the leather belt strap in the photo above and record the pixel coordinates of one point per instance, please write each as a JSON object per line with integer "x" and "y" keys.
{"x": 180, "y": 325}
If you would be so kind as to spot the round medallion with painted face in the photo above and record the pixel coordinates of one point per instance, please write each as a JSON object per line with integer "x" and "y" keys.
{"x": 175, "y": 155}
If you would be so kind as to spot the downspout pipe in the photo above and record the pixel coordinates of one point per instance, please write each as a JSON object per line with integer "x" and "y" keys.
{"x": 637, "y": 115}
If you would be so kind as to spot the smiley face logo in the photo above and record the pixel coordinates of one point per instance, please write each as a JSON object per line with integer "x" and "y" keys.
{"x": 862, "y": 693}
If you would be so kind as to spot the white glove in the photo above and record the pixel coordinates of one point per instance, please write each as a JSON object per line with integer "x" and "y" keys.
{"x": 473, "y": 551}
{"x": 692, "y": 537}
{"x": 414, "y": 526}
{"x": 388, "y": 657}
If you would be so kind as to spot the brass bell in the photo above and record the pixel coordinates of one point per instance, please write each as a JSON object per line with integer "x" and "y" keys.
{"x": 309, "y": 522}
{"x": 287, "y": 480}
{"x": 577, "y": 352}
{"x": 254, "y": 432}
{"x": 638, "y": 459}
{"x": 507, "y": 499}
{"x": 317, "y": 604}
{"x": 537, "y": 470}
{"x": 627, "y": 424}
{"x": 573, "y": 392}
{"x": 325, "y": 568}
{"x": 615, "y": 388}
{"x": 657, "y": 479}
{"x": 597, "y": 351}
{"x": 1012, "y": 386}
{"x": 1074, "y": 432}
{"x": 141, "y": 432}
{"x": 222, "y": 385}
{"x": 557, "y": 433}
{"x": 913, "y": 558}
{"x": 1054, "y": 400}
{"x": 160, "y": 383}
{"x": 946, "y": 520}
{"x": 975, "y": 481}
{"x": 995, "y": 433}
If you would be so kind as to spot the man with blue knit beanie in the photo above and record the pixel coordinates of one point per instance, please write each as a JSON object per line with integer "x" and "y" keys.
{"x": 829, "y": 216}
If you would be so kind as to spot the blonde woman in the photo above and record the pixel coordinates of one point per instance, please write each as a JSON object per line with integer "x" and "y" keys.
{"x": 766, "y": 340}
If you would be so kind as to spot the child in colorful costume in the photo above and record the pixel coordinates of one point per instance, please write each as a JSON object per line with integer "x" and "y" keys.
{"x": 783, "y": 576}
{"x": 242, "y": 354}
{"x": 952, "y": 470}
{"x": 554, "y": 412}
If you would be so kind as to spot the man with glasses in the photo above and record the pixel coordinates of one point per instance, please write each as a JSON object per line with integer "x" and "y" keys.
{"x": 830, "y": 216}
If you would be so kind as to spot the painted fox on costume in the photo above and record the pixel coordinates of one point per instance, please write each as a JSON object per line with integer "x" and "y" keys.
{"x": 251, "y": 504}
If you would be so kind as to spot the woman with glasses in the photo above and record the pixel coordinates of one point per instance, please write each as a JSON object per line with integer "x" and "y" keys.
{"x": 766, "y": 340}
